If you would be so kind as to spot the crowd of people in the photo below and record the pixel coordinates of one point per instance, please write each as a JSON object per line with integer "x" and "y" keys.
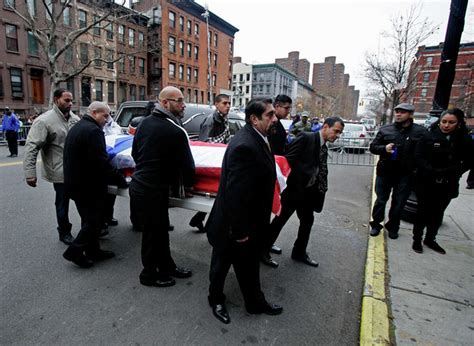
{"x": 239, "y": 227}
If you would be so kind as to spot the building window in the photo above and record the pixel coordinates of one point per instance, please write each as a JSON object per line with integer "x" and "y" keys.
{"x": 181, "y": 72}
{"x": 426, "y": 77}
{"x": 172, "y": 70}
{"x": 141, "y": 66}
{"x": 172, "y": 19}
{"x": 98, "y": 56}
{"x": 133, "y": 92}
{"x": 9, "y": 4}
{"x": 188, "y": 27}
{"x": 189, "y": 49}
{"x": 131, "y": 37}
{"x": 96, "y": 28}
{"x": 70, "y": 86}
{"x": 230, "y": 65}
{"x": 141, "y": 39}
{"x": 215, "y": 40}
{"x": 241, "y": 77}
{"x": 110, "y": 58}
{"x": 16, "y": 83}
{"x": 131, "y": 63}
{"x": 231, "y": 47}
{"x": 110, "y": 92}
{"x": 32, "y": 44}
{"x": 188, "y": 74}
{"x": 68, "y": 55}
{"x": 247, "y": 89}
{"x": 424, "y": 92}
{"x": 181, "y": 48}
{"x": 11, "y": 32}
{"x": 215, "y": 60}
{"x": 172, "y": 44}
{"x": 196, "y": 52}
{"x": 31, "y": 7}
{"x": 248, "y": 77}
{"x": 196, "y": 29}
{"x": 121, "y": 65}
{"x": 67, "y": 16}
{"x": 214, "y": 79}
{"x": 141, "y": 93}
{"x": 98, "y": 90}
{"x": 429, "y": 61}
{"x": 82, "y": 19}
{"x": 181, "y": 23}
{"x": 121, "y": 33}
{"x": 109, "y": 31}
{"x": 84, "y": 53}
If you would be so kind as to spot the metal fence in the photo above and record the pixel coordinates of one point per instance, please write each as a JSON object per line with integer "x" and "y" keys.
{"x": 22, "y": 134}
{"x": 352, "y": 150}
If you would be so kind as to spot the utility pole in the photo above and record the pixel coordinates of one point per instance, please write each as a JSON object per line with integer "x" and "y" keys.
{"x": 209, "y": 75}
{"x": 449, "y": 56}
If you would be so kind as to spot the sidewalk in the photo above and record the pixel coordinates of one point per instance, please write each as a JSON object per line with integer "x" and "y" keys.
{"x": 432, "y": 295}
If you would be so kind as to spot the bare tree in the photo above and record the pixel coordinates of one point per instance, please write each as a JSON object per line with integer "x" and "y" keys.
{"x": 388, "y": 71}
{"x": 59, "y": 35}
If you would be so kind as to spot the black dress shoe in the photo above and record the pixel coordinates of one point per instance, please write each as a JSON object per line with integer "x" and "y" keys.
{"x": 393, "y": 235}
{"x": 112, "y": 222}
{"x": 66, "y": 238}
{"x": 305, "y": 259}
{"x": 181, "y": 273}
{"x": 374, "y": 232}
{"x": 158, "y": 282}
{"x": 75, "y": 256}
{"x": 100, "y": 255}
{"x": 170, "y": 228}
{"x": 276, "y": 250}
{"x": 266, "y": 308}
{"x": 433, "y": 245}
{"x": 266, "y": 259}
{"x": 103, "y": 233}
{"x": 417, "y": 247}
{"x": 220, "y": 311}
{"x": 199, "y": 225}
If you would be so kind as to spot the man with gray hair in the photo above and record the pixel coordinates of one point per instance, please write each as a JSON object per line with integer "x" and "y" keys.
{"x": 48, "y": 134}
{"x": 87, "y": 172}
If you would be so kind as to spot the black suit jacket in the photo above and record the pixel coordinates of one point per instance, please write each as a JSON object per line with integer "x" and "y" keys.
{"x": 277, "y": 138}
{"x": 244, "y": 200}
{"x": 303, "y": 157}
{"x": 87, "y": 170}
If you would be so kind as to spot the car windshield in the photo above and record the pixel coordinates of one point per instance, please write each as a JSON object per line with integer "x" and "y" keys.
{"x": 354, "y": 128}
{"x": 129, "y": 113}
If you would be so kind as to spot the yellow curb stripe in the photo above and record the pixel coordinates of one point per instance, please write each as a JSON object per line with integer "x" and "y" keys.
{"x": 375, "y": 323}
{"x": 8, "y": 164}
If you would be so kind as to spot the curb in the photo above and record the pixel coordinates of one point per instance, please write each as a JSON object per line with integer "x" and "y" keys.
{"x": 374, "y": 324}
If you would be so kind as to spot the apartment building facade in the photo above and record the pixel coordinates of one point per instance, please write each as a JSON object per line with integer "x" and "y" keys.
{"x": 180, "y": 29}
{"x": 293, "y": 63}
{"x": 25, "y": 80}
{"x": 270, "y": 80}
{"x": 241, "y": 84}
{"x": 424, "y": 72}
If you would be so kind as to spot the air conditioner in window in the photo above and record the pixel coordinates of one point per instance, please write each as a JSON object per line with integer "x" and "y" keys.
{"x": 17, "y": 95}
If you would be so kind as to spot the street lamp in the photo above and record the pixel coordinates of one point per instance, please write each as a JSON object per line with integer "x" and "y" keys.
{"x": 209, "y": 75}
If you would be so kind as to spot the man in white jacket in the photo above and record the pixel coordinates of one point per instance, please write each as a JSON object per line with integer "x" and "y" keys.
{"x": 48, "y": 135}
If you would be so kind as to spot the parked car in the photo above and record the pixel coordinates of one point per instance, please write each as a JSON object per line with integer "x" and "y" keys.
{"x": 130, "y": 113}
{"x": 369, "y": 123}
{"x": 355, "y": 138}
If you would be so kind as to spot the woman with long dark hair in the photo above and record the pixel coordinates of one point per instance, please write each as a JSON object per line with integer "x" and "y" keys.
{"x": 442, "y": 156}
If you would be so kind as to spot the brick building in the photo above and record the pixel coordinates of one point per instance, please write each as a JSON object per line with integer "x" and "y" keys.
{"x": 24, "y": 81}
{"x": 294, "y": 64}
{"x": 179, "y": 28}
{"x": 424, "y": 72}
{"x": 330, "y": 80}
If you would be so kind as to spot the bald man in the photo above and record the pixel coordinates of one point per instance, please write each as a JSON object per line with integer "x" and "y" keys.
{"x": 87, "y": 172}
{"x": 163, "y": 160}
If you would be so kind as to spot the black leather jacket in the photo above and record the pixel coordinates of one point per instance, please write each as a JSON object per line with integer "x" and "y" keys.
{"x": 405, "y": 140}
{"x": 213, "y": 126}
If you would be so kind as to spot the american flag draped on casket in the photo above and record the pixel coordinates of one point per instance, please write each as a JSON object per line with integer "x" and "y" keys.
{"x": 207, "y": 158}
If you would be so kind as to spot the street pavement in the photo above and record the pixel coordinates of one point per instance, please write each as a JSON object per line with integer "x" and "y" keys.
{"x": 432, "y": 295}
{"x": 47, "y": 300}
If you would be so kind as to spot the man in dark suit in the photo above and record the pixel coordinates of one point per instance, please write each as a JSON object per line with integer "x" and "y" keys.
{"x": 240, "y": 217}
{"x": 163, "y": 160}
{"x": 87, "y": 172}
{"x": 277, "y": 134}
{"x": 306, "y": 186}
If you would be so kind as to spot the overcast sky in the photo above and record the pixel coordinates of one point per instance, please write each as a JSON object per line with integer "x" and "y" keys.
{"x": 269, "y": 29}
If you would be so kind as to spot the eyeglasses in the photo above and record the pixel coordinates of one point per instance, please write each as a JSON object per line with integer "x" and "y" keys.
{"x": 180, "y": 100}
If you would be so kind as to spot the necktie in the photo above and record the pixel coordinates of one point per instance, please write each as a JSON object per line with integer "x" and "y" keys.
{"x": 323, "y": 169}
